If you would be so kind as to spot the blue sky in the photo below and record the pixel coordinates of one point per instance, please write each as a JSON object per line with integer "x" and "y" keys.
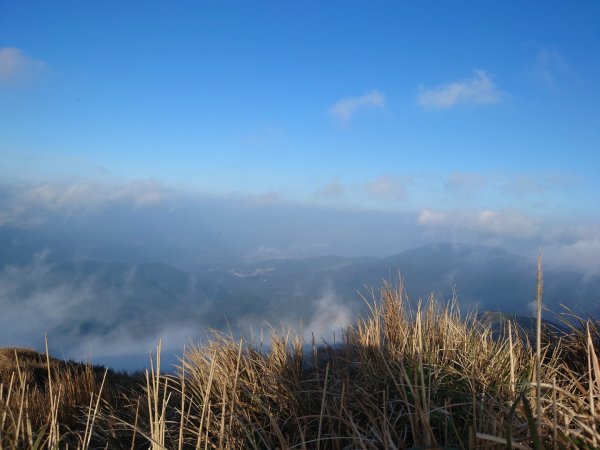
{"x": 425, "y": 107}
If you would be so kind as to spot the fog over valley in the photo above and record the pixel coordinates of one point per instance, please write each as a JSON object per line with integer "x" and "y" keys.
{"x": 106, "y": 277}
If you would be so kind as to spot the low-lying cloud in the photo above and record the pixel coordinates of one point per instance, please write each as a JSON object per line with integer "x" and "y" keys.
{"x": 387, "y": 187}
{"x": 149, "y": 221}
{"x": 509, "y": 223}
{"x": 27, "y": 204}
{"x": 80, "y": 305}
{"x": 330, "y": 316}
{"x": 581, "y": 255}
{"x": 106, "y": 309}
{"x": 106, "y": 273}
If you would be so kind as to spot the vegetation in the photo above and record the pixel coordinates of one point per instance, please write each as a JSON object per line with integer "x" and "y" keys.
{"x": 407, "y": 375}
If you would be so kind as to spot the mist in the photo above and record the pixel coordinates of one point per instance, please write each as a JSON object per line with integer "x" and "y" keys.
{"x": 105, "y": 271}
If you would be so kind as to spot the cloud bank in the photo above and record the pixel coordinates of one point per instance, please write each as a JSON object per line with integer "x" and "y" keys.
{"x": 503, "y": 223}
{"x": 148, "y": 220}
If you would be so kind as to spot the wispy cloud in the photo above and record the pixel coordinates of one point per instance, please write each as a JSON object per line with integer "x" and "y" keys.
{"x": 51, "y": 295}
{"x": 465, "y": 181}
{"x": 508, "y": 223}
{"x": 268, "y": 134}
{"x": 16, "y": 67}
{"x": 29, "y": 204}
{"x": 540, "y": 184}
{"x": 345, "y": 108}
{"x": 477, "y": 90}
{"x": 535, "y": 185}
{"x": 93, "y": 195}
{"x": 331, "y": 316}
{"x": 387, "y": 187}
{"x": 333, "y": 189}
{"x": 549, "y": 66}
{"x": 430, "y": 217}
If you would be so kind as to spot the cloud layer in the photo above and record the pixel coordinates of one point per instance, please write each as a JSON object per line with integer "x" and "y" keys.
{"x": 476, "y": 90}
{"x": 149, "y": 221}
{"x": 507, "y": 223}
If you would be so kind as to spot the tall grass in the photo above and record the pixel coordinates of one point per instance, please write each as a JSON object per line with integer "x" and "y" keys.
{"x": 48, "y": 410}
{"x": 408, "y": 375}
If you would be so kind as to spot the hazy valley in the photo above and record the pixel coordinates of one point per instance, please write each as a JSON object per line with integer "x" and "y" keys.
{"x": 115, "y": 312}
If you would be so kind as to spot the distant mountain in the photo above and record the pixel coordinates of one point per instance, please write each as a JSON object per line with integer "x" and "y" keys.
{"x": 525, "y": 327}
{"x": 122, "y": 307}
{"x": 489, "y": 278}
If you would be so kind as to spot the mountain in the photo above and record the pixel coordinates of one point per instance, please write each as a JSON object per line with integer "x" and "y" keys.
{"x": 92, "y": 307}
{"x": 489, "y": 278}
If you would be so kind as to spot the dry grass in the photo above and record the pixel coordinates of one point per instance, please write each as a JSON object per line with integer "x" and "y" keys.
{"x": 409, "y": 375}
{"x": 48, "y": 403}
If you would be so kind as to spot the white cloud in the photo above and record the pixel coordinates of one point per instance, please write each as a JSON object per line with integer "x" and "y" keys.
{"x": 477, "y": 90}
{"x": 431, "y": 217}
{"x": 582, "y": 255}
{"x": 512, "y": 223}
{"x": 332, "y": 189}
{"x": 387, "y": 187}
{"x": 40, "y": 292}
{"x": 508, "y": 223}
{"x": 17, "y": 67}
{"x": 91, "y": 194}
{"x": 29, "y": 204}
{"x": 532, "y": 307}
{"x": 345, "y": 108}
{"x": 331, "y": 315}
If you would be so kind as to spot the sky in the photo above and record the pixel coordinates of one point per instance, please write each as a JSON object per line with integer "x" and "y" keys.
{"x": 479, "y": 116}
